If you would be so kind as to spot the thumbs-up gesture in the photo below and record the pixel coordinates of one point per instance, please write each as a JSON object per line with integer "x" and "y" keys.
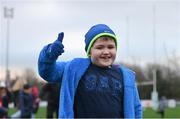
{"x": 56, "y": 48}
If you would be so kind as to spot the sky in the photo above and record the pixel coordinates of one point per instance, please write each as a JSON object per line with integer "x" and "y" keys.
{"x": 146, "y": 29}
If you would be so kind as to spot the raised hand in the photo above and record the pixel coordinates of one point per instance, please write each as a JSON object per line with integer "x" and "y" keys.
{"x": 57, "y": 48}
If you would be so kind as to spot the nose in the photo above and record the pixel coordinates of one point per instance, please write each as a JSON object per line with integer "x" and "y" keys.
{"x": 106, "y": 51}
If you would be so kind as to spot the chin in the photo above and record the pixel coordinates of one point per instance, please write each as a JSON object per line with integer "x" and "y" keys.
{"x": 105, "y": 64}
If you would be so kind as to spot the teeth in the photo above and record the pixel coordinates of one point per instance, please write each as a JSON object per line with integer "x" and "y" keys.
{"x": 105, "y": 57}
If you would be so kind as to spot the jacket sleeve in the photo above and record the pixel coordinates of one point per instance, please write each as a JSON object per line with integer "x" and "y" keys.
{"x": 138, "y": 107}
{"x": 48, "y": 68}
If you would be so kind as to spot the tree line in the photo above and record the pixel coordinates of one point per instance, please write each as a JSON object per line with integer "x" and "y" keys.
{"x": 168, "y": 80}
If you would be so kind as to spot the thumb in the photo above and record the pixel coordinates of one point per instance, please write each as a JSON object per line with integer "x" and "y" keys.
{"x": 60, "y": 37}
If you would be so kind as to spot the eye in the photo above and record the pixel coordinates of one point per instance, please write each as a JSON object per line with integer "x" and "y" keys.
{"x": 111, "y": 47}
{"x": 99, "y": 47}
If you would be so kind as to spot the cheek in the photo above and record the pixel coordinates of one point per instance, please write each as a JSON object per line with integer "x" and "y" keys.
{"x": 113, "y": 53}
{"x": 94, "y": 60}
{"x": 94, "y": 57}
{"x": 94, "y": 53}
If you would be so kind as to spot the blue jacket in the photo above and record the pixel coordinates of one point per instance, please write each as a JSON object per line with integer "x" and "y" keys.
{"x": 25, "y": 101}
{"x": 69, "y": 74}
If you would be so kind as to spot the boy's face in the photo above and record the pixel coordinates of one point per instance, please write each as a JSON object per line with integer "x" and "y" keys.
{"x": 103, "y": 52}
{"x": 27, "y": 90}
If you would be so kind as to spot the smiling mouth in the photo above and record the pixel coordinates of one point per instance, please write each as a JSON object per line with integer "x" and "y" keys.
{"x": 105, "y": 58}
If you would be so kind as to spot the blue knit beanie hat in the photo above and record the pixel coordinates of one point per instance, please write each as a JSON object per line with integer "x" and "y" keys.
{"x": 94, "y": 33}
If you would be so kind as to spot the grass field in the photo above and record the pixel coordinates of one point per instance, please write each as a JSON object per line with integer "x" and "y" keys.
{"x": 169, "y": 113}
{"x": 147, "y": 113}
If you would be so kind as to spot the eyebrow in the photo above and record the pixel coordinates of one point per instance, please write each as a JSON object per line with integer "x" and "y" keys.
{"x": 96, "y": 45}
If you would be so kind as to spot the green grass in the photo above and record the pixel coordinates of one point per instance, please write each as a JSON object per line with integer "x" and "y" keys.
{"x": 169, "y": 113}
{"x": 147, "y": 113}
{"x": 40, "y": 114}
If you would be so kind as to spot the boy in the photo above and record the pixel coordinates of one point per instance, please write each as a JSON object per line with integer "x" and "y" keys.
{"x": 92, "y": 87}
{"x": 25, "y": 99}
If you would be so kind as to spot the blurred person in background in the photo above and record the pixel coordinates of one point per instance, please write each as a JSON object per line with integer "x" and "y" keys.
{"x": 17, "y": 86}
{"x": 15, "y": 97}
{"x": 36, "y": 100}
{"x": 51, "y": 90}
{"x": 26, "y": 102}
{"x": 162, "y": 106}
{"x": 4, "y": 101}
